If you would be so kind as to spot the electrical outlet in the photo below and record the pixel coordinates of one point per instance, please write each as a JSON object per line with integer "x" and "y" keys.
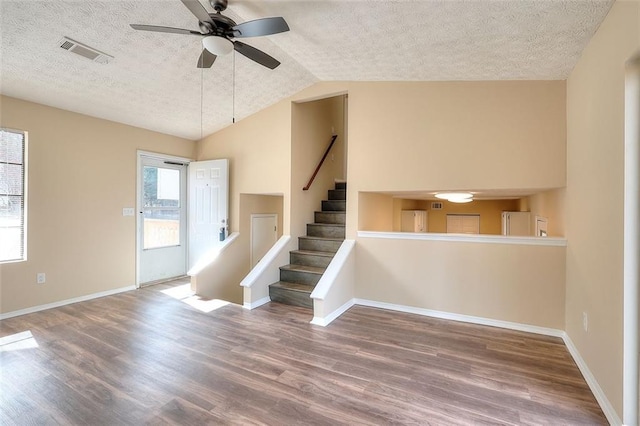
{"x": 585, "y": 321}
{"x": 41, "y": 278}
{"x": 128, "y": 211}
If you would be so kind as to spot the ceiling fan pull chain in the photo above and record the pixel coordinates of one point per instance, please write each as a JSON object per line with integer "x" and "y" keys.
{"x": 233, "y": 97}
{"x": 201, "y": 99}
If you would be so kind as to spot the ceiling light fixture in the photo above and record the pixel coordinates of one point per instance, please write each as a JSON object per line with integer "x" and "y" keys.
{"x": 217, "y": 45}
{"x": 456, "y": 197}
{"x": 460, "y": 200}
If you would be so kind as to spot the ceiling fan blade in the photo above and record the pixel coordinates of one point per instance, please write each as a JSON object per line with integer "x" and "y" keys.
{"x": 158, "y": 29}
{"x": 206, "y": 59}
{"x": 260, "y": 27}
{"x": 199, "y": 11}
{"x": 254, "y": 54}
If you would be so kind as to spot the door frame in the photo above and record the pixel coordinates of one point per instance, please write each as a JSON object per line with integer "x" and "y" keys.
{"x": 274, "y": 215}
{"x": 161, "y": 157}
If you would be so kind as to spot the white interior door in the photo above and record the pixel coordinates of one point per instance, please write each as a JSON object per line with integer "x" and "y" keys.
{"x": 208, "y": 206}
{"x": 162, "y": 226}
{"x": 264, "y": 234}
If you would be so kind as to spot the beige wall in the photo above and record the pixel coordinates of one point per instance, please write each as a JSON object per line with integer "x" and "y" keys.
{"x": 221, "y": 279}
{"x": 256, "y": 204}
{"x": 376, "y": 212}
{"x": 82, "y": 172}
{"x": 259, "y": 153}
{"x": 595, "y": 146}
{"x": 420, "y": 136}
{"x": 549, "y": 204}
{"x": 517, "y": 283}
{"x": 312, "y": 125}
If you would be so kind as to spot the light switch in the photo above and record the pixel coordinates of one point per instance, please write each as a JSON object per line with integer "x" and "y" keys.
{"x": 128, "y": 211}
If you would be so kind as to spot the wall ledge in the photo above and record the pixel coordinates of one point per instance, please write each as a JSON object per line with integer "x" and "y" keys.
{"x": 264, "y": 263}
{"x": 464, "y": 238}
{"x": 66, "y": 302}
{"x": 331, "y": 273}
{"x": 210, "y": 256}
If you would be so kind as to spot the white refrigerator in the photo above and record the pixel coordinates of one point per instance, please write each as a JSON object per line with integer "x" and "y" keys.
{"x": 516, "y": 223}
{"x": 413, "y": 221}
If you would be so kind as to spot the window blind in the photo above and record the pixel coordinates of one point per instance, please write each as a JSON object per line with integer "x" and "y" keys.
{"x": 12, "y": 195}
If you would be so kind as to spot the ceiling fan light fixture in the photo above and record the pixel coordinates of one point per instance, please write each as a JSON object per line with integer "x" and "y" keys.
{"x": 217, "y": 45}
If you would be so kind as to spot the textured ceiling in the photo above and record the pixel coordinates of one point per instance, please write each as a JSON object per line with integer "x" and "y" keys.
{"x": 153, "y": 82}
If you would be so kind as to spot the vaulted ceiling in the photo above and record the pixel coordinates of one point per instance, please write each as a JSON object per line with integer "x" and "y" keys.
{"x": 152, "y": 81}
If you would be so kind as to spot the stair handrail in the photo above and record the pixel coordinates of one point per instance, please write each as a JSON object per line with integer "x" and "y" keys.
{"x": 333, "y": 139}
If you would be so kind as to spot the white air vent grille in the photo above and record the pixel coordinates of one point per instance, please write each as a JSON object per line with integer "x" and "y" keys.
{"x": 84, "y": 51}
{"x": 436, "y": 205}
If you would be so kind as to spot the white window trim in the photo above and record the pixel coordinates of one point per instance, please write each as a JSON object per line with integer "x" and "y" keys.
{"x": 25, "y": 195}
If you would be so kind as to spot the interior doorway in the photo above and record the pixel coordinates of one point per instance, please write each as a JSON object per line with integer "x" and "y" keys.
{"x": 162, "y": 218}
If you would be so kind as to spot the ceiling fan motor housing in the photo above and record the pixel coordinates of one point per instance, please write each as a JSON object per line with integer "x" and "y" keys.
{"x": 219, "y": 5}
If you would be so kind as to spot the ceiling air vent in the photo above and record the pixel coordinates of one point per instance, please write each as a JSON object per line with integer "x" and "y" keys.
{"x": 436, "y": 205}
{"x": 84, "y": 51}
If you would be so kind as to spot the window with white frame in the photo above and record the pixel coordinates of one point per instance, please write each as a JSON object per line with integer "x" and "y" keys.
{"x": 13, "y": 162}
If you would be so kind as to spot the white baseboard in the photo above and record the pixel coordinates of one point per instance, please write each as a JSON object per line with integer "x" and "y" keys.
{"x": 606, "y": 406}
{"x": 257, "y": 303}
{"x": 463, "y": 318}
{"x": 66, "y": 302}
{"x": 597, "y": 391}
{"x": 323, "y": 322}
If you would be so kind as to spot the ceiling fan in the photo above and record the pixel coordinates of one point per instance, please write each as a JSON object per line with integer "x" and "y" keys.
{"x": 219, "y": 31}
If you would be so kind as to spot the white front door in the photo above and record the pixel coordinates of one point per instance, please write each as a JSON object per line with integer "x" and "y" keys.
{"x": 208, "y": 207}
{"x": 162, "y": 227}
{"x": 264, "y": 234}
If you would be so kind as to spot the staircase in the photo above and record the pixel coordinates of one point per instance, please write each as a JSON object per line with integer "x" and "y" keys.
{"x": 316, "y": 249}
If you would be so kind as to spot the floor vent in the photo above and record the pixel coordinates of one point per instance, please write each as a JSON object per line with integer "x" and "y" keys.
{"x": 84, "y": 51}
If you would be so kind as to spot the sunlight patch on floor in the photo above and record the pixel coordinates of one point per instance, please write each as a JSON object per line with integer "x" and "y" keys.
{"x": 18, "y": 341}
{"x": 186, "y": 295}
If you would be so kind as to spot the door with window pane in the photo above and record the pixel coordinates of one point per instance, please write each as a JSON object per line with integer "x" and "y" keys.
{"x": 162, "y": 220}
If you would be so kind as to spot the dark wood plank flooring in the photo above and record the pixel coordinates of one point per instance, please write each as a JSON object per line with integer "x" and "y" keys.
{"x": 143, "y": 357}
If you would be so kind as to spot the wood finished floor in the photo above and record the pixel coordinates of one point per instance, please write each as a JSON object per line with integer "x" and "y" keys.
{"x": 143, "y": 357}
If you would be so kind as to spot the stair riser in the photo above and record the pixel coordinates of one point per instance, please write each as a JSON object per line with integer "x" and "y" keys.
{"x": 326, "y": 217}
{"x": 296, "y": 298}
{"x": 337, "y": 194}
{"x": 341, "y": 185}
{"x": 319, "y": 245}
{"x": 309, "y": 260}
{"x": 299, "y": 277}
{"x": 334, "y": 205}
{"x": 325, "y": 231}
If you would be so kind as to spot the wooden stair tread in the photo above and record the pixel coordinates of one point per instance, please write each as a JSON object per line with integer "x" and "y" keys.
{"x": 321, "y": 238}
{"x": 304, "y": 268}
{"x": 314, "y": 253}
{"x": 302, "y": 288}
